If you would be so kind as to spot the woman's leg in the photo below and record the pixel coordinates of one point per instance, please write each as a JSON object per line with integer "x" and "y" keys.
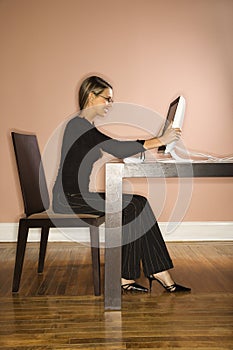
{"x": 142, "y": 240}
{"x": 88, "y": 203}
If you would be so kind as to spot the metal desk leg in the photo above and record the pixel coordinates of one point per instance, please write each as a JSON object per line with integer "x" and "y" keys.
{"x": 113, "y": 232}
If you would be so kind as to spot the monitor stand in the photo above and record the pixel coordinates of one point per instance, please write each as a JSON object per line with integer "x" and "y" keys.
{"x": 177, "y": 158}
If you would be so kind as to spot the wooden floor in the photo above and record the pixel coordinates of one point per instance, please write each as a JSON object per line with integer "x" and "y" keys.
{"x": 57, "y": 310}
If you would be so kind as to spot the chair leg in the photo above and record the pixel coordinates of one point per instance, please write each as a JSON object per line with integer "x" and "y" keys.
{"x": 94, "y": 233}
{"x": 43, "y": 247}
{"x": 20, "y": 252}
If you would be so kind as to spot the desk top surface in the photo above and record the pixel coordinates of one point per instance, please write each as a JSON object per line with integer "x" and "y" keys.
{"x": 176, "y": 169}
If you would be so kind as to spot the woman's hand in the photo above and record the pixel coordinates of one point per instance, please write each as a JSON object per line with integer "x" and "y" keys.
{"x": 170, "y": 135}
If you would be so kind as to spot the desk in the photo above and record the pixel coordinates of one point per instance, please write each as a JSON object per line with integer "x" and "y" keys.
{"x": 115, "y": 172}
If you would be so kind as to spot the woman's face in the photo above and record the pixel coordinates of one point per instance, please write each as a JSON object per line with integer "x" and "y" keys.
{"x": 102, "y": 102}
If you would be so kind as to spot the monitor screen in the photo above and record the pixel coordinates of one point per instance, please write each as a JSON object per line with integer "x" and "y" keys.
{"x": 175, "y": 117}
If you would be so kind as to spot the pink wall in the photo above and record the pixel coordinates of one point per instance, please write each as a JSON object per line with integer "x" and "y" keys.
{"x": 151, "y": 50}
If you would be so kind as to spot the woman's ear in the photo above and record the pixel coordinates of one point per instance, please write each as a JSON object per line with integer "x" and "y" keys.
{"x": 91, "y": 96}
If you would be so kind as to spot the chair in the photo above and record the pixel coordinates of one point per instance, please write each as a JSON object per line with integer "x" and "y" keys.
{"x": 37, "y": 212}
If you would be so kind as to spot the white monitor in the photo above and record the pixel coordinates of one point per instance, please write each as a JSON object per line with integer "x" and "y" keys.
{"x": 175, "y": 116}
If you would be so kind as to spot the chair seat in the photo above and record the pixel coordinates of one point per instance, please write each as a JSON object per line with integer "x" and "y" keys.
{"x": 51, "y": 215}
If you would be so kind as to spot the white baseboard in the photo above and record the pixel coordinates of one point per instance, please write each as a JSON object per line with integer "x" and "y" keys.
{"x": 184, "y": 231}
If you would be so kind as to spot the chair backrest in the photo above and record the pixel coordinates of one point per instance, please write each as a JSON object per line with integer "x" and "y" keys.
{"x": 31, "y": 173}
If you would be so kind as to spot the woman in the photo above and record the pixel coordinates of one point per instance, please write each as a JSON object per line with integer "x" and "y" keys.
{"x": 83, "y": 143}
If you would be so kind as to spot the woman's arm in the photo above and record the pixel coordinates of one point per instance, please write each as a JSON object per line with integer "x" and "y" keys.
{"x": 122, "y": 149}
{"x": 167, "y": 137}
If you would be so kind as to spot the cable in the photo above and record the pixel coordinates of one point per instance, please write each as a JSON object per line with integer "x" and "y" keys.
{"x": 209, "y": 157}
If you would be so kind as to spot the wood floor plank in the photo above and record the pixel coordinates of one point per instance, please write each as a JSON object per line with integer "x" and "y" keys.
{"x": 58, "y": 311}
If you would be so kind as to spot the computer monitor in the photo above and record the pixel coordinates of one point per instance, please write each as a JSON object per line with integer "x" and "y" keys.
{"x": 175, "y": 116}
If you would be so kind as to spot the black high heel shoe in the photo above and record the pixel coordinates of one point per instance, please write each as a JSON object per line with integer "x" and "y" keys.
{"x": 173, "y": 288}
{"x": 133, "y": 287}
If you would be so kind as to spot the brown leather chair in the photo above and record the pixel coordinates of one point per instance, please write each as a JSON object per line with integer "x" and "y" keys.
{"x": 37, "y": 209}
